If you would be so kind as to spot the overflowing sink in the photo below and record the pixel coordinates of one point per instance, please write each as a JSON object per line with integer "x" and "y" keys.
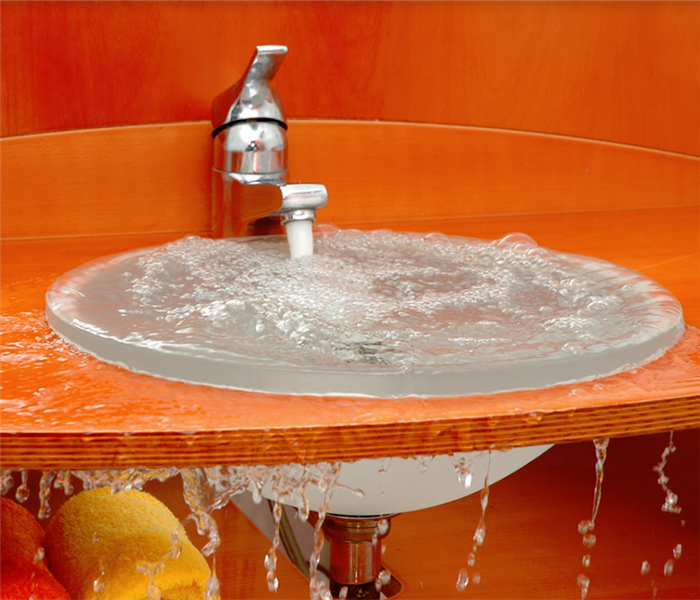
{"x": 376, "y": 314}
{"x": 371, "y": 313}
{"x": 350, "y": 313}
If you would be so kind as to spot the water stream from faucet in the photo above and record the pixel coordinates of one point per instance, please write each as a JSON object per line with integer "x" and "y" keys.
{"x": 300, "y": 237}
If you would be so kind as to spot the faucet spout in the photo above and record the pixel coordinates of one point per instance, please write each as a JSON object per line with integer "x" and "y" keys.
{"x": 250, "y": 189}
{"x": 300, "y": 201}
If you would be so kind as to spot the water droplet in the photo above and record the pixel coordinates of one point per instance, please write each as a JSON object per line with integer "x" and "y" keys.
{"x": 668, "y": 567}
{"x": 176, "y": 545}
{"x": 22, "y": 492}
{"x": 586, "y": 560}
{"x": 98, "y": 585}
{"x": 462, "y": 580}
{"x": 583, "y": 583}
{"x": 45, "y": 494}
{"x": 479, "y": 536}
{"x": 63, "y": 481}
{"x": 212, "y": 592}
{"x": 423, "y": 462}
{"x": 575, "y": 348}
{"x": 646, "y": 567}
{"x": 476, "y": 577}
{"x": 383, "y": 526}
{"x": 343, "y": 593}
{"x": 272, "y": 582}
{"x": 471, "y": 559}
{"x": 589, "y": 540}
{"x": 325, "y": 593}
{"x": 677, "y": 551}
{"x": 384, "y": 466}
{"x": 383, "y": 578}
{"x": 7, "y": 481}
{"x": 39, "y": 555}
{"x": 153, "y": 591}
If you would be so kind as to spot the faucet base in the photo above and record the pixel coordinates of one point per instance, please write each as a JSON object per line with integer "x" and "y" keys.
{"x": 239, "y": 201}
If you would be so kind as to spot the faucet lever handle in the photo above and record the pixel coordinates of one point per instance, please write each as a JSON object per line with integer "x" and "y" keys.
{"x": 252, "y": 97}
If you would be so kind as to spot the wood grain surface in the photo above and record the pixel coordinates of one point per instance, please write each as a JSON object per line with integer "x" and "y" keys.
{"x": 239, "y": 427}
{"x": 157, "y": 178}
{"x": 625, "y": 72}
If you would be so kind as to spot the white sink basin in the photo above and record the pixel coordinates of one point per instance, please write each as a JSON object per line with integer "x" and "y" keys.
{"x": 397, "y": 485}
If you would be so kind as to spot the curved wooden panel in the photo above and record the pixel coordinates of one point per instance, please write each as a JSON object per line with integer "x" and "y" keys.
{"x": 157, "y": 178}
{"x": 626, "y": 72}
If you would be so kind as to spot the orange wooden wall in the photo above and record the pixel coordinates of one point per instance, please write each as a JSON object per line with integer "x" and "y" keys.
{"x": 624, "y": 72}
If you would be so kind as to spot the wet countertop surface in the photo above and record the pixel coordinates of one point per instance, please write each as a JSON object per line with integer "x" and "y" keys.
{"x": 105, "y": 415}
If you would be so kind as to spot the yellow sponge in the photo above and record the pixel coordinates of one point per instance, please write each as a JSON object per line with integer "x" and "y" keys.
{"x": 98, "y": 540}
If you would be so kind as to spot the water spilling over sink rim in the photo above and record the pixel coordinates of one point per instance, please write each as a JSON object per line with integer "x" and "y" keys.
{"x": 87, "y": 307}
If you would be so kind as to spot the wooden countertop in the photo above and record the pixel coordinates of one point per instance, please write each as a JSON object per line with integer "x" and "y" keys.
{"x": 633, "y": 206}
{"x": 181, "y": 424}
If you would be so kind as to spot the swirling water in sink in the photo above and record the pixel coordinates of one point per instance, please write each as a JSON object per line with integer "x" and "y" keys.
{"x": 425, "y": 310}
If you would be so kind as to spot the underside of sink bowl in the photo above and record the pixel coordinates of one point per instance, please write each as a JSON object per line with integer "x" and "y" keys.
{"x": 368, "y": 488}
{"x": 371, "y": 314}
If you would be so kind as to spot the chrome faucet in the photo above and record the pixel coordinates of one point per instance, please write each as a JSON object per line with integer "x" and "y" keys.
{"x": 251, "y": 194}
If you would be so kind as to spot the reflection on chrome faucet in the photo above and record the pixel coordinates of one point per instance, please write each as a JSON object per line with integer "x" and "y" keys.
{"x": 250, "y": 190}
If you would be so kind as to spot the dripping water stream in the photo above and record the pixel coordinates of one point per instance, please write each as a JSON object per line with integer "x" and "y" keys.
{"x": 670, "y": 505}
{"x": 208, "y": 489}
{"x": 464, "y": 473}
{"x": 586, "y": 527}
